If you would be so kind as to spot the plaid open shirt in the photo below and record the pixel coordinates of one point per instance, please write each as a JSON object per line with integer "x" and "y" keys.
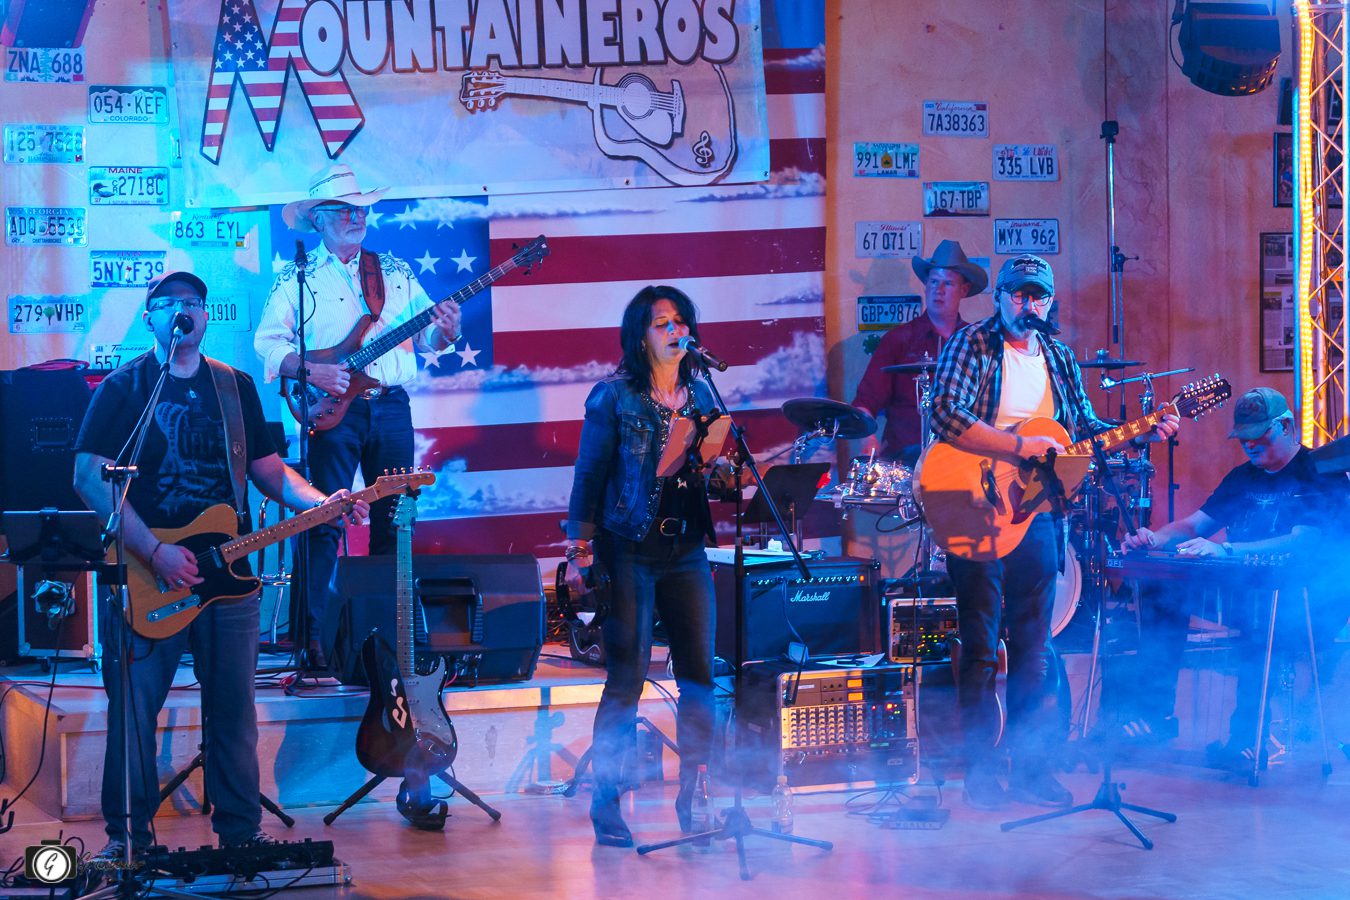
{"x": 969, "y": 381}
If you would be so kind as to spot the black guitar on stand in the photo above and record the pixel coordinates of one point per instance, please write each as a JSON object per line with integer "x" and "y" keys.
{"x": 405, "y": 731}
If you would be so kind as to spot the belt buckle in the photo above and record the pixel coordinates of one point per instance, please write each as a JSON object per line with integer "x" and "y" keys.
{"x": 671, "y": 523}
{"x": 374, "y": 393}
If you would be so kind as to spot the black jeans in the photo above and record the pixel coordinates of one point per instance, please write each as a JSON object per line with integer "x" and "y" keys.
{"x": 675, "y": 581}
{"x": 1018, "y": 589}
{"x": 377, "y": 436}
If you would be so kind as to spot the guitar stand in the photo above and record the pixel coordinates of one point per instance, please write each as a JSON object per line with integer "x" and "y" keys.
{"x": 377, "y": 780}
{"x": 199, "y": 762}
{"x": 1108, "y": 798}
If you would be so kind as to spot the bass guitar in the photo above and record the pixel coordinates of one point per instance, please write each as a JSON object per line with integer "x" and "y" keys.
{"x": 157, "y": 610}
{"x": 980, "y": 507}
{"x": 405, "y": 732}
{"x": 354, "y": 353}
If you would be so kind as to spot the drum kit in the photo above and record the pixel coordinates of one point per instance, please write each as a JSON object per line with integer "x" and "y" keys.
{"x": 885, "y": 487}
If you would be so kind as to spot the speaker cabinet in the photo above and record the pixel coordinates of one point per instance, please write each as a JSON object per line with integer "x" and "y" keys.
{"x": 42, "y": 411}
{"x": 45, "y": 23}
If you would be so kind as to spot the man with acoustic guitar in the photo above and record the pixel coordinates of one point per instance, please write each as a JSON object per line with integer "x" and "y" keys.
{"x": 349, "y": 289}
{"x": 993, "y": 376}
{"x": 204, "y": 437}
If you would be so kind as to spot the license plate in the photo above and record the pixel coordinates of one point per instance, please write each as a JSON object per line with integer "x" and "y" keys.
{"x": 27, "y": 226}
{"x": 878, "y": 313}
{"x": 48, "y": 314}
{"x": 128, "y": 185}
{"x": 44, "y": 144}
{"x": 201, "y": 229}
{"x": 956, "y": 198}
{"x": 110, "y": 356}
{"x": 129, "y": 104}
{"x": 887, "y": 240}
{"x": 1026, "y": 162}
{"x": 955, "y": 118}
{"x": 124, "y": 268}
{"x": 872, "y": 160}
{"x": 228, "y": 313}
{"x": 1026, "y": 236}
{"x": 45, "y": 65}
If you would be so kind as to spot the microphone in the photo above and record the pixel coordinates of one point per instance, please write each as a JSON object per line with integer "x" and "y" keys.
{"x": 689, "y": 345}
{"x": 301, "y": 257}
{"x": 1027, "y": 320}
{"x": 183, "y": 324}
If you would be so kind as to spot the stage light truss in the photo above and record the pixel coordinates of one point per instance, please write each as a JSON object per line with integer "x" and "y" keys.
{"x": 1321, "y": 375}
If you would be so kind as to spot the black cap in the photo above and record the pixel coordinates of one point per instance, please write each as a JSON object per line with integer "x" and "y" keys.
{"x": 156, "y": 287}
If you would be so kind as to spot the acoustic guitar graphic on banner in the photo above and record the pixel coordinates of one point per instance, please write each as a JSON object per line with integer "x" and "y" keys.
{"x": 634, "y": 118}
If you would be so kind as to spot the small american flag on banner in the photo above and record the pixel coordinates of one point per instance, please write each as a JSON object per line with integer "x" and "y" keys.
{"x": 263, "y": 68}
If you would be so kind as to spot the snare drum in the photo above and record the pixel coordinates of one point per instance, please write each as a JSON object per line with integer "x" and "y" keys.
{"x": 1068, "y": 588}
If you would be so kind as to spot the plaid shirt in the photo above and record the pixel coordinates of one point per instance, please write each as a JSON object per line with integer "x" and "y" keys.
{"x": 969, "y": 382}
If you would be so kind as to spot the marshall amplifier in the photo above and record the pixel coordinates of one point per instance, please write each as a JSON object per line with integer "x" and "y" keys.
{"x": 834, "y": 612}
{"x": 827, "y": 725}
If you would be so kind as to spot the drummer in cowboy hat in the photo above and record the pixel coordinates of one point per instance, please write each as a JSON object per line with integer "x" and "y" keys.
{"x": 948, "y": 277}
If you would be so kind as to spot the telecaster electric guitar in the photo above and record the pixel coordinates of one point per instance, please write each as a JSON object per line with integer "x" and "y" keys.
{"x": 354, "y": 353}
{"x": 980, "y": 507}
{"x": 405, "y": 732}
{"x": 157, "y": 610}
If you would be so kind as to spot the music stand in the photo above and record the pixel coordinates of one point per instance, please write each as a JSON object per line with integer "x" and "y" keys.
{"x": 54, "y": 539}
{"x": 792, "y": 488}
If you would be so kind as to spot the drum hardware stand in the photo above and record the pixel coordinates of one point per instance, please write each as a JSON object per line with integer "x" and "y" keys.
{"x": 199, "y": 762}
{"x": 1146, "y": 406}
{"x": 736, "y": 822}
{"x": 1108, "y": 792}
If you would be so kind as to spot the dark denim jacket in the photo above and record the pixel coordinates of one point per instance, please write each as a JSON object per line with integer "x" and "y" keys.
{"x": 614, "y": 485}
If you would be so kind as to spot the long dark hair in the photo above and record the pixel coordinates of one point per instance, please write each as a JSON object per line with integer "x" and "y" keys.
{"x": 637, "y": 318}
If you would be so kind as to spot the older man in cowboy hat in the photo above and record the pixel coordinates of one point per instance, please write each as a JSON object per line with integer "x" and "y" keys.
{"x": 948, "y": 277}
{"x": 345, "y": 283}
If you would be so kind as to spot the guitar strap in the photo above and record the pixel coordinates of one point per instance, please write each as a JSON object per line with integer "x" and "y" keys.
{"x": 236, "y": 442}
{"x": 372, "y": 283}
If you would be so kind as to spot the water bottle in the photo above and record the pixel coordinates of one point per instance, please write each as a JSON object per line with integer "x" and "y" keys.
{"x": 700, "y": 809}
{"x": 782, "y": 806}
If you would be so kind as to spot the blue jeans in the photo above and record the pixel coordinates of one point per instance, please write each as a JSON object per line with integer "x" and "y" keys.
{"x": 1018, "y": 590}
{"x": 224, "y": 645}
{"x": 675, "y": 581}
{"x": 377, "y": 436}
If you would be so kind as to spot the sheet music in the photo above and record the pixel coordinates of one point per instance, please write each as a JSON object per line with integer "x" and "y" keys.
{"x": 682, "y": 433}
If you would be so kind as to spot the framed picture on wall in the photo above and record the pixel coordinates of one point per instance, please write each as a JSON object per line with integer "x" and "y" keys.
{"x": 1277, "y": 301}
{"x": 1284, "y": 168}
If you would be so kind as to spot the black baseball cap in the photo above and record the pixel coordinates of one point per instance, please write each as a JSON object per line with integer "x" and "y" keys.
{"x": 157, "y": 287}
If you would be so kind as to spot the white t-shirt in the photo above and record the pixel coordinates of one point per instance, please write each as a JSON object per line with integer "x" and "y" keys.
{"x": 1026, "y": 387}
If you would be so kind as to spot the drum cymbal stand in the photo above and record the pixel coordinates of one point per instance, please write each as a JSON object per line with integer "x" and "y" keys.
{"x": 928, "y": 558}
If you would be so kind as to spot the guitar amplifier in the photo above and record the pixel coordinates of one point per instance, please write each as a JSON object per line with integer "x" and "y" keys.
{"x": 921, "y": 628}
{"x": 827, "y": 725}
{"x": 834, "y": 612}
{"x": 483, "y": 614}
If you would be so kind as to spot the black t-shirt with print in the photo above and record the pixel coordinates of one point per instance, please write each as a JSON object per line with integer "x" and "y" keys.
{"x": 184, "y": 467}
{"x": 1253, "y": 504}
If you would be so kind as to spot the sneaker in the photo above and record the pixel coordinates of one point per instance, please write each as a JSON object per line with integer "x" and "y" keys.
{"x": 258, "y": 839}
{"x": 1232, "y": 758}
{"x": 1039, "y": 789}
{"x": 982, "y": 790}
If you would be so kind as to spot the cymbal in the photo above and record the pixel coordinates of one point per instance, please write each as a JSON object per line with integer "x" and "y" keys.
{"x": 1108, "y": 363}
{"x": 915, "y": 367}
{"x": 810, "y": 413}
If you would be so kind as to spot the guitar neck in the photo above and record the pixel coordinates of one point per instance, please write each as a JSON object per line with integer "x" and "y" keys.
{"x": 561, "y": 89}
{"x": 403, "y": 597}
{"x": 290, "y": 527}
{"x": 1122, "y": 434}
{"x": 395, "y": 336}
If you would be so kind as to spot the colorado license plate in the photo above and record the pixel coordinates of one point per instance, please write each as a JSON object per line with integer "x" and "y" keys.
{"x": 48, "y": 314}
{"x": 956, "y": 198}
{"x": 129, "y": 104}
{"x": 44, "y": 144}
{"x": 124, "y": 268}
{"x": 27, "y": 226}
{"x": 128, "y": 185}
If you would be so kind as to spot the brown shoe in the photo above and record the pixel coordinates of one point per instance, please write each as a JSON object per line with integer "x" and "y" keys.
{"x": 315, "y": 660}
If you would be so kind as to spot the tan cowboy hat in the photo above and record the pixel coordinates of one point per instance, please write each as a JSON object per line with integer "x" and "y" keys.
{"x": 335, "y": 184}
{"x": 949, "y": 255}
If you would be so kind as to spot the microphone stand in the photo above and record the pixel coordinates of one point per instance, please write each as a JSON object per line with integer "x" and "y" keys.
{"x": 119, "y": 475}
{"x": 300, "y": 628}
{"x": 736, "y": 822}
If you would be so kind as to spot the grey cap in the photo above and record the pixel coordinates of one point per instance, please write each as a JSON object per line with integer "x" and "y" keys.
{"x": 1023, "y": 271}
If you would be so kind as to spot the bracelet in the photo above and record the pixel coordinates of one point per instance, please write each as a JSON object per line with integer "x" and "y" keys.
{"x": 1017, "y": 448}
{"x": 578, "y": 551}
{"x": 156, "y": 550}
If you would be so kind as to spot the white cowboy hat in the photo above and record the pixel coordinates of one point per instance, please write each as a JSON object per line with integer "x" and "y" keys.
{"x": 335, "y": 184}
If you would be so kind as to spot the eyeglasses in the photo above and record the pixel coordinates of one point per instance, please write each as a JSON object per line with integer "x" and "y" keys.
{"x": 1025, "y": 298}
{"x": 350, "y": 213}
{"x": 175, "y": 302}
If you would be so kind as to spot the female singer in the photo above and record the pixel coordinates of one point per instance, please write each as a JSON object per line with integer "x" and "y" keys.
{"x": 647, "y": 533}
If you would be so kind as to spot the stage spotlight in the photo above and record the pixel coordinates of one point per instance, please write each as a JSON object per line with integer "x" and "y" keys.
{"x": 1228, "y": 49}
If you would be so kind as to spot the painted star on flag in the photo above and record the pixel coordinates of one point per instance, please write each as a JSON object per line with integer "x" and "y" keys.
{"x": 373, "y": 218}
{"x": 464, "y": 261}
{"x": 433, "y": 357}
{"x": 405, "y": 218}
{"x": 468, "y": 356}
{"x": 427, "y": 262}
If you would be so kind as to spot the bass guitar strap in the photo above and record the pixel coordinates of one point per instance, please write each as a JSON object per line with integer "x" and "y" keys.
{"x": 236, "y": 441}
{"x": 372, "y": 283}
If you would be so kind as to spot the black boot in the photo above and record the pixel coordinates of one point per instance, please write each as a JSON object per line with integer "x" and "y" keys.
{"x": 684, "y": 802}
{"x": 610, "y": 830}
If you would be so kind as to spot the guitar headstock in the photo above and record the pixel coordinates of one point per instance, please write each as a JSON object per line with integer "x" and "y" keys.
{"x": 532, "y": 253}
{"x": 405, "y": 510}
{"x": 481, "y": 89}
{"x": 403, "y": 481}
{"x": 1200, "y": 397}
